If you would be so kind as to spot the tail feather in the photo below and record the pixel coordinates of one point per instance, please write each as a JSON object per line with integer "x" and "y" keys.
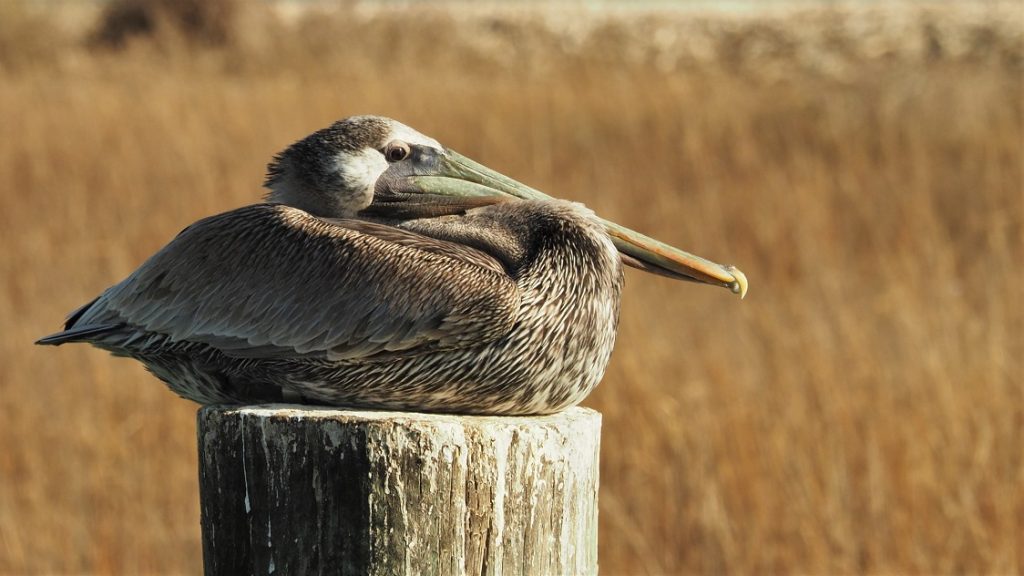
{"x": 77, "y": 314}
{"x": 74, "y": 333}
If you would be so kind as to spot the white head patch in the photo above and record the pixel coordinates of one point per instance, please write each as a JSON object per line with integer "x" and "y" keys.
{"x": 359, "y": 171}
{"x": 402, "y": 132}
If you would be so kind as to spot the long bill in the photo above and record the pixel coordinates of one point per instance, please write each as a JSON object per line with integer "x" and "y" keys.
{"x": 460, "y": 176}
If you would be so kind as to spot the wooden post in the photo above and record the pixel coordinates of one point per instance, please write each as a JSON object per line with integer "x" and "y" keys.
{"x": 298, "y": 490}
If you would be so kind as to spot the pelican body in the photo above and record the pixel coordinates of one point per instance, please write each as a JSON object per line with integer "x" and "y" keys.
{"x": 388, "y": 272}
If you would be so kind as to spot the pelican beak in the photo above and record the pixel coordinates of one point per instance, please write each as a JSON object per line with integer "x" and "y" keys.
{"x": 456, "y": 175}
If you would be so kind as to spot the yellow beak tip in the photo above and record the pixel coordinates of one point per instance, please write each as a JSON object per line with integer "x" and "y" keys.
{"x": 739, "y": 284}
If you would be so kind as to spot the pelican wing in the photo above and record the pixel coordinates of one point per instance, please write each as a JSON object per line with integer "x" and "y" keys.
{"x": 269, "y": 280}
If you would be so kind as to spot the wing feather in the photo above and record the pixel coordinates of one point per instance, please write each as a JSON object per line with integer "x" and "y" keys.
{"x": 269, "y": 280}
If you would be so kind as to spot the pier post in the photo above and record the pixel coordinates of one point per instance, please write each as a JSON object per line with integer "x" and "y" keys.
{"x": 300, "y": 490}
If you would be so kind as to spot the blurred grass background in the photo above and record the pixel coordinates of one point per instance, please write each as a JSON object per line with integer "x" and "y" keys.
{"x": 861, "y": 412}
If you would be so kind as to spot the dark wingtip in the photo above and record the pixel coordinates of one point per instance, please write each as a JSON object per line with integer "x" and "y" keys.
{"x": 79, "y": 334}
{"x": 51, "y": 340}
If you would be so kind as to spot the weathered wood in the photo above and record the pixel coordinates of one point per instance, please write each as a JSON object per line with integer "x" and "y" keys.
{"x": 296, "y": 490}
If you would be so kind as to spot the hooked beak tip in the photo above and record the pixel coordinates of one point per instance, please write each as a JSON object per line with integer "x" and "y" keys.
{"x": 739, "y": 284}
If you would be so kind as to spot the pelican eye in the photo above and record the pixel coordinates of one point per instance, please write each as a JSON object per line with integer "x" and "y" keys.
{"x": 396, "y": 151}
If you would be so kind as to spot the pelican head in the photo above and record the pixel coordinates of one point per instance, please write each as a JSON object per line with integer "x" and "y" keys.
{"x": 369, "y": 166}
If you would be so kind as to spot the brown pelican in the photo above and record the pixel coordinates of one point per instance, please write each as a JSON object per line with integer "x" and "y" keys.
{"x": 386, "y": 271}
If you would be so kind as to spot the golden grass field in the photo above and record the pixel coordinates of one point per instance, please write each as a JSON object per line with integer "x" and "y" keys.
{"x": 862, "y": 411}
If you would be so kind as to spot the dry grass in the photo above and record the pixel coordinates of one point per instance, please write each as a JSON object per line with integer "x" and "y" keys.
{"x": 861, "y": 411}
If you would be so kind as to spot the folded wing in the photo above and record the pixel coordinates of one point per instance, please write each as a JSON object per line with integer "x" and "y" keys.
{"x": 269, "y": 280}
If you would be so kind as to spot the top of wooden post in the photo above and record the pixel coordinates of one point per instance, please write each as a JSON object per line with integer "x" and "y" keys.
{"x": 569, "y": 416}
{"x": 312, "y": 490}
